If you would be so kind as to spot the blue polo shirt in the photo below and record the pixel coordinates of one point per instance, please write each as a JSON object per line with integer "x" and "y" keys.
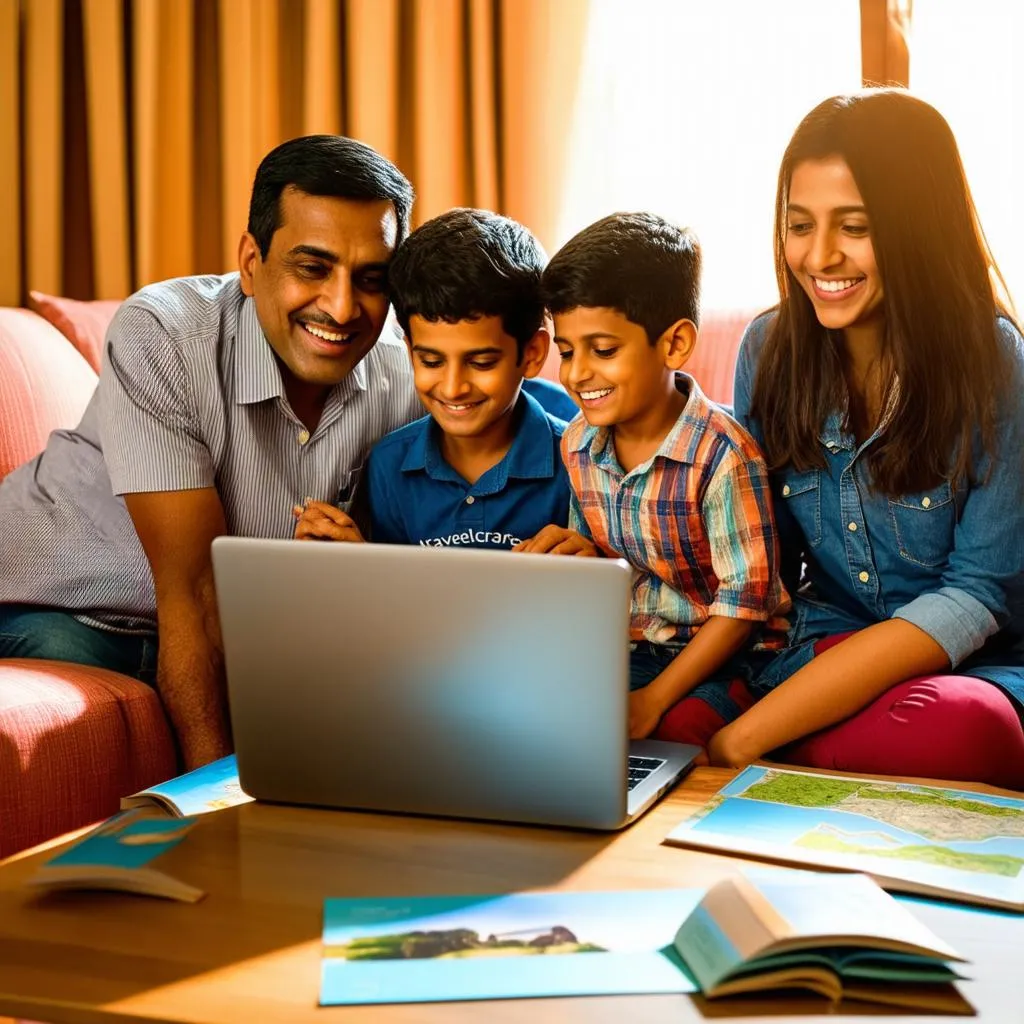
{"x": 416, "y": 497}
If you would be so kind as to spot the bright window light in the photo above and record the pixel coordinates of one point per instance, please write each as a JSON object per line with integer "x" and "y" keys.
{"x": 965, "y": 60}
{"x": 685, "y": 109}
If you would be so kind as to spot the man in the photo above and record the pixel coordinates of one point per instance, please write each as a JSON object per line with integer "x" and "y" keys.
{"x": 223, "y": 402}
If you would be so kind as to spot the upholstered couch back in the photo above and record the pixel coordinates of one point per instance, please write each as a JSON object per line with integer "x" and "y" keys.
{"x": 45, "y": 385}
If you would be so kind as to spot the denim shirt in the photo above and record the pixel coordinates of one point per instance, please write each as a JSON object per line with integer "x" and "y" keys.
{"x": 949, "y": 560}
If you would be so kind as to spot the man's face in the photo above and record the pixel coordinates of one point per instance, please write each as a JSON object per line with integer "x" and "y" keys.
{"x": 320, "y": 294}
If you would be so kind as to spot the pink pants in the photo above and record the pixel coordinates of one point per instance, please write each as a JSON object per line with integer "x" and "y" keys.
{"x": 940, "y": 727}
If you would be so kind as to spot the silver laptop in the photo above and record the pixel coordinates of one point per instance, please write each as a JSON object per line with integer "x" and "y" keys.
{"x": 467, "y": 683}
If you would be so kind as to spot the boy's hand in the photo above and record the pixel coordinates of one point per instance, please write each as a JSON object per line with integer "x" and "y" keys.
{"x": 645, "y": 713}
{"x": 316, "y": 520}
{"x": 558, "y": 540}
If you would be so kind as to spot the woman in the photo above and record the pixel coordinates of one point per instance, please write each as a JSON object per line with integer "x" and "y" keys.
{"x": 886, "y": 390}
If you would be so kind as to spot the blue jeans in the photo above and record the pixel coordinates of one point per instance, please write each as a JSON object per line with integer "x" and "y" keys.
{"x": 27, "y": 631}
{"x": 647, "y": 661}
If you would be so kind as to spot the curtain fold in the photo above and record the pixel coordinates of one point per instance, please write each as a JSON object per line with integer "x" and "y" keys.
{"x": 131, "y": 129}
{"x": 106, "y": 106}
{"x": 43, "y": 134}
{"x": 10, "y": 162}
{"x": 885, "y": 58}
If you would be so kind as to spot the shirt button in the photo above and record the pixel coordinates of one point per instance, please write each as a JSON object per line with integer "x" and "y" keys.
{"x": 852, "y": 527}
{"x": 303, "y": 436}
{"x": 470, "y": 500}
{"x": 785, "y": 491}
{"x": 926, "y": 502}
{"x": 864, "y": 577}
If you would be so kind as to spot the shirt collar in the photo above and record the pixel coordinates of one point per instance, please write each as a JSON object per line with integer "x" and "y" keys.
{"x": 832, "y": 435}
{"x": 531, "y": 456}
{"x": 680, "y": 443}
{"x": 257, "y": 374}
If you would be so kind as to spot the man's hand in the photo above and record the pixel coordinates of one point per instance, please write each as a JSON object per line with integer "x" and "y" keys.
{"x": 558, "y": 540}
{"x": 316, "y": 520}
{"x": 645, "y": 713}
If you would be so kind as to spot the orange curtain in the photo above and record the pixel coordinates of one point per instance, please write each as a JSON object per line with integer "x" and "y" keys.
{"x": 884, "y": 25}
{"x": 130, "y": 130}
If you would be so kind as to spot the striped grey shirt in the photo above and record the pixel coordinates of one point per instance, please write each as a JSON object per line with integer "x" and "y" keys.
{"x": 190, "y": 396}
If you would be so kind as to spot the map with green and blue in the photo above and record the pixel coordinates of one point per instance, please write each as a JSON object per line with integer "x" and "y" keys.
{"x": 910, "y": 837}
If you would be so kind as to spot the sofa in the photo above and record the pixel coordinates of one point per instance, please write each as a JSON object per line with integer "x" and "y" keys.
{"x": 74, "y": 740}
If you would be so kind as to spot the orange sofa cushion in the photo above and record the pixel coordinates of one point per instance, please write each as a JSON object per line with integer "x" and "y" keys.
{"x": 84, "y": 324}
{"x": 44, "y": 385}
{"x": 73, "y": 740}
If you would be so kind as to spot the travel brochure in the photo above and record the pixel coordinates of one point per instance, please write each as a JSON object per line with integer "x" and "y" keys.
{"x": 834, "y": 933}
{"x": 768, "y": 930}
{"x": 440, "y": 948}
{"x": 118, "y": 855}
{"x": 928, "y": 840}
{"x": 210, "y": 788}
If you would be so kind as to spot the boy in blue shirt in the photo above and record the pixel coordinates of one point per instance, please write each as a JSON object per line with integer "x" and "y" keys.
{"x": 483, "y": 469}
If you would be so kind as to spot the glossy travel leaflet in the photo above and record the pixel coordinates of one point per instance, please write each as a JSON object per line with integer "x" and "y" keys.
{"x": 119, "y": 855}
{"x": 210, "y": 788}
{"x": 544, "y": 944}
{"x": 840, "y": 936}
{"x": 928, "y": 840}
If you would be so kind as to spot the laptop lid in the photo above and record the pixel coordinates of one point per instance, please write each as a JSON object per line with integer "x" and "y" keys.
{"x": 470, "y": 683}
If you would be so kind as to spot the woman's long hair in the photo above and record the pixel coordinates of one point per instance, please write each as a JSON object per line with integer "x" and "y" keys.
{"x": 939, "y": 301}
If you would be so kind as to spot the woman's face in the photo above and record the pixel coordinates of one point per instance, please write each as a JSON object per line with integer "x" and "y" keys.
{"x": 828, "y": 245}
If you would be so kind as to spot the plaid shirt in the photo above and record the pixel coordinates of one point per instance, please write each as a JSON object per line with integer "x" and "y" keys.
{"x": 695, "y": 522}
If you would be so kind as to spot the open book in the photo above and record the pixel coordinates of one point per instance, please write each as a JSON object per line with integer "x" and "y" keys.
{"x": 210, "y": 788}
{"x": 118, "y": 855}
{"x": 838, "y": 935}
{"x": 834, "y": 935}
{"x": 928, "y": 840}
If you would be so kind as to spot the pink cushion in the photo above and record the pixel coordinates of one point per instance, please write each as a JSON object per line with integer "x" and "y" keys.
{"x": 84, "y": 324}
{"x": 73, "y": 741}
{"x": 713, "y": 362}
{"x": 44, "y": 385}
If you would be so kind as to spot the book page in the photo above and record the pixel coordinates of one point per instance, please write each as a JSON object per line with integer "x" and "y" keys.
{"x": 503, "y": 946}
{"x": 796, "y": 920}
{"x": 210, "y": 788}
{"x": 827, "y": 908}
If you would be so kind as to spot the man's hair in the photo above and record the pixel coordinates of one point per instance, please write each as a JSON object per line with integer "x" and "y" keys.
{"x": 636, "y": 263}
{"x": 324, "y": 165}
{"x": 466, "y": 265}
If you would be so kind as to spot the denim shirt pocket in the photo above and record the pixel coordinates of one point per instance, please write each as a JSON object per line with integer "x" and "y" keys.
{"x": 800, "y": 493}
{"x": 924, "y": 524}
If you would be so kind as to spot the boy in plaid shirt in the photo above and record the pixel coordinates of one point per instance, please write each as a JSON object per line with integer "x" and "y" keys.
{"x": 662, "y": 477}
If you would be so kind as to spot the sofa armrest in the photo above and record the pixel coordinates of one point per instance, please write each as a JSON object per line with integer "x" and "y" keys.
{"x": 73, "y": 740}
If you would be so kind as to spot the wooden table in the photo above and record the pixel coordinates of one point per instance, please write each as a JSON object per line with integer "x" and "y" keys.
{"x": 250, "y": 951}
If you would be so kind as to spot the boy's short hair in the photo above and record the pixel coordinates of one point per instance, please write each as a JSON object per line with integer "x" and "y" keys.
{"x": 636, "y": 263}
{"x": 469, "y": 264}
